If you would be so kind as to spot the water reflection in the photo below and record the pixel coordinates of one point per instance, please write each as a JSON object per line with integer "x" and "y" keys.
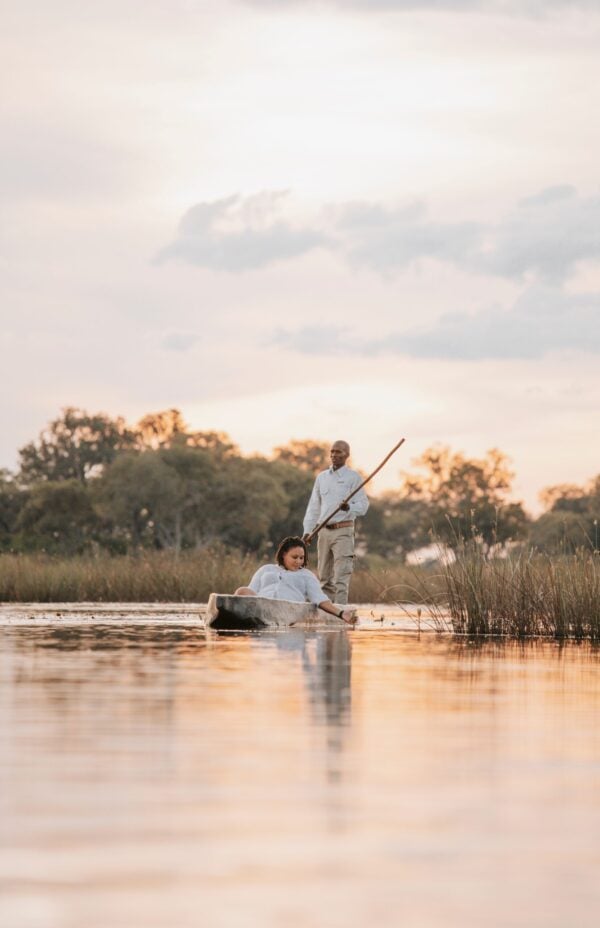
{"x": 326, "y": 660}
{"x": 162, "y": 775}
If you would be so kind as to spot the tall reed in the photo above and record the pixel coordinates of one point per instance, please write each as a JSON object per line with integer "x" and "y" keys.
{"x": 149, "y": 577}
{"x": 522, "y": 595}
{"x": 376, "y": 580}
{"x": 163, "y": 577}
{"x": 518, "y": 595}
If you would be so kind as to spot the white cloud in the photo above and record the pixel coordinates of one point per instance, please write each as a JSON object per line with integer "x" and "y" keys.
{"x": 544, "y": 236}
{"x": 179, "y": 341}
{"x": 390, "y": 238}
{"x": 542, "y": 321}
{"x": 549, "y": 195}
{"x": 318, "y": 340}
{"x": 509, "y": 7}
{"x": 239, "y": 234}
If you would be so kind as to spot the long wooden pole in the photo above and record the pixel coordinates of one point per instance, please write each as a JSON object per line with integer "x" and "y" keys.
{"x": 322, "y": 524}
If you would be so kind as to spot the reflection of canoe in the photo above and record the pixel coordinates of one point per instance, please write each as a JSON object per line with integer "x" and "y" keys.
{"x": 233, "y": 612}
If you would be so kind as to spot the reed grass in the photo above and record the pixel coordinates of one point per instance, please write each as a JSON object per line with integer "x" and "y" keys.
{"x": 518, "y": 595}
{"x": 148, "y": 577}
{"x": 163, "y": 577}
{"x": 522, "y": 595}
{"x": 376, "y": 580}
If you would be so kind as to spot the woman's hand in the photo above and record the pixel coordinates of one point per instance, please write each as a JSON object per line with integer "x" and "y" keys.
{"x": 346, "y": 615}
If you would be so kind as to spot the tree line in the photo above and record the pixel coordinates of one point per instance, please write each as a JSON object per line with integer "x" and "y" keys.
{"x": 92, "y": 482}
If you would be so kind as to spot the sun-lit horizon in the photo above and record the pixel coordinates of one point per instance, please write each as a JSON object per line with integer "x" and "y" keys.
{"x": 369, "y": 443}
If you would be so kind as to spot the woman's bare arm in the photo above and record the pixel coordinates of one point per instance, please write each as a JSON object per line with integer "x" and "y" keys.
{"x": 347, "y": 615}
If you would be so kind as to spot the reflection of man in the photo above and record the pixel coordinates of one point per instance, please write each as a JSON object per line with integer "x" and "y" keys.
{"x": 336, "y": 540}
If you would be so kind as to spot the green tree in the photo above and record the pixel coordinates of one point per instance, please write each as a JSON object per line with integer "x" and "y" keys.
{"x": 140, "y": 495}
{"x": 75, "y": 446}
{"x": 395, "y": 525}
{"x": 560, "y": 533}
{"x": 296, "y": 485}
{"x": 168, "y": 428}
{"x": 194, "y": 473}
{"x": 12, "y": 500}
{"x": 467, "y": 497}
{"x": 565, "y": 497}
{"x": 181, "y": 497}
{"x": 249, "y": 500}
{"x": 57, "y": 517}
{"x": 160, "y": 429}
{"x": 572, "y": 519}
{"x": 219, "y": 443}
{"x": 306, "y": 455}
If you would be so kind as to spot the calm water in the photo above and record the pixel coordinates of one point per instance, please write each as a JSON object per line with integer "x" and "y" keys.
{"x": 155, "y": 776}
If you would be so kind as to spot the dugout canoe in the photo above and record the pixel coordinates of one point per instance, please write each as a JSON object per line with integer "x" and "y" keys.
{"x": 230, "y": 612}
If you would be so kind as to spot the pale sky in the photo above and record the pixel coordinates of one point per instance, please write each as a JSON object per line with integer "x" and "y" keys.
{"x": 359, "y": 219}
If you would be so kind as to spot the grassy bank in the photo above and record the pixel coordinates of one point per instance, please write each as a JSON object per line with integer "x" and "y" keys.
{"x": 163, "y": 577}
{"x": 524, "y": 595}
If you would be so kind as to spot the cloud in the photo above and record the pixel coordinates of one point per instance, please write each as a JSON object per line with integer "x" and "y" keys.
{"x": 388, "y": 239}
{"x": 543, "y": 237}
{"x": 321, "y": 340}
{"x": 239, "y": 234}
{"x": 550, "y": 195}
{"x": 541, "y": 321}
{"x": 58, "y": 160}
{"x": 179, "y": 341}
{"x": 509, "y": 7}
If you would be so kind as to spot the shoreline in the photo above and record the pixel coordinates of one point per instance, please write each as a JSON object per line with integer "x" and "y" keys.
{"x": 93, "y": 614}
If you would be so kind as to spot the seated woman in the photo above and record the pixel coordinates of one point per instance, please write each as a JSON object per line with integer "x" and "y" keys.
{"x": 289, "y": 579}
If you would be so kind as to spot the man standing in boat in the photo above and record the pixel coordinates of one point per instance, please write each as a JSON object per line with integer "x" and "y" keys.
{"x": 336, "y": 540}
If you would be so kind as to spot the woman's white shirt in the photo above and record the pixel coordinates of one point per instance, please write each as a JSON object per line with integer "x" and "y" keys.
{"x": 296, "y": 586}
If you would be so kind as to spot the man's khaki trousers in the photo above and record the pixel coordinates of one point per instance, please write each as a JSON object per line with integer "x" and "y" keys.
{"x": 336, "y": 559}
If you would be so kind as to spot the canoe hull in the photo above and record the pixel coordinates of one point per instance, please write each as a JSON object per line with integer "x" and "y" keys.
{"x": 229, "y": 612}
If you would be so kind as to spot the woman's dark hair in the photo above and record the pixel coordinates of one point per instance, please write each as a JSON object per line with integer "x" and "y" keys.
{"x": 292, "y": 541}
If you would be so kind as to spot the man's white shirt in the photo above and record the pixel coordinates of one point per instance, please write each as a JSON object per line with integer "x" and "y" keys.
{"x": 331, "y": 488}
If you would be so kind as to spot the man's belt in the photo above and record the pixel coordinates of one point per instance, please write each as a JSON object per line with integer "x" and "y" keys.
{"x": 332, "y": 525}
